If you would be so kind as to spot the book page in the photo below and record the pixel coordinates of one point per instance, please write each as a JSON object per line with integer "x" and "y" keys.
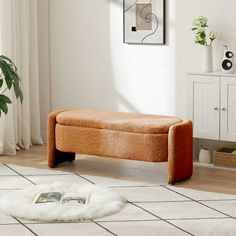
{"x": 48, "y": 197}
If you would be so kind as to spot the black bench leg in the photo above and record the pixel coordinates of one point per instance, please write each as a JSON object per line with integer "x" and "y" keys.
{"x": 64, "y": 156}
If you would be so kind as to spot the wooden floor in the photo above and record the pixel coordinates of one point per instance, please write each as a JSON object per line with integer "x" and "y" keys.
{"x": 207, "y": 179}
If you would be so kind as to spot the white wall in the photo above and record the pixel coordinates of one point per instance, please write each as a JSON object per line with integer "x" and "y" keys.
{"x": 91, "y": 67}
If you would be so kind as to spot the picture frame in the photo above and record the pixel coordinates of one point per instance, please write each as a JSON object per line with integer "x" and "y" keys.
{"x": 144, "y": 21}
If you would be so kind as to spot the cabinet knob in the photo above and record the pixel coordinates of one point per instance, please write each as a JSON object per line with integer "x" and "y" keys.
{"x": 223, "y": 109}
{"x": 216, "y": 108}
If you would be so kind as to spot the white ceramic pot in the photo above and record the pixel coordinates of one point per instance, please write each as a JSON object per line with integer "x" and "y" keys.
{"x": 205, "y": 156}
{"x": 207, "y": 62}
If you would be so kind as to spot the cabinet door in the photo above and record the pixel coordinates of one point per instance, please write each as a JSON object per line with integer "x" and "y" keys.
{"x": 204, "y": 106}
{"x": 228, "y": 109}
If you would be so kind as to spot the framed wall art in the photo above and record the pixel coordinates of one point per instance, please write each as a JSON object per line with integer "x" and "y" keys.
{"x": 144, "y": 21}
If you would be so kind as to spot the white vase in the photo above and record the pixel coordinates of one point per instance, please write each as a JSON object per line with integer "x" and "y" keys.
{"x": 207, "y": 58}
{"x": 205, "y": 156}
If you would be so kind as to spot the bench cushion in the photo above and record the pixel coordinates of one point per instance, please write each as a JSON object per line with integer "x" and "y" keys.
{"x": 119, "y": 121}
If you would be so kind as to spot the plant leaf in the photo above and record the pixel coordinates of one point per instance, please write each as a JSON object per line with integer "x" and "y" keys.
{"x": 9, "y": 73}
{"x": 5, "y": 71}
{"x": 5, "y": 99}
{"x": 195, "y": 28}
{"x": 9, "y": 60}
{"x": 11, "y": 77}
{"x": 15, "y": 76}
{"x": 18, "y": 91}
{"x": 3, "y": 107}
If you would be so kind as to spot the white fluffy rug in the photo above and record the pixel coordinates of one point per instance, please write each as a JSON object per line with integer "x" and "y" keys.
{"x": 102, "y": 202}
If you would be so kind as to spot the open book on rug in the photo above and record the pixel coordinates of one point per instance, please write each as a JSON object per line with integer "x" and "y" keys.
{"x": 71, "y": 198}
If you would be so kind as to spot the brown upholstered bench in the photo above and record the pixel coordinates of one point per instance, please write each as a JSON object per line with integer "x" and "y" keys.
{"x": 122, "y": 135}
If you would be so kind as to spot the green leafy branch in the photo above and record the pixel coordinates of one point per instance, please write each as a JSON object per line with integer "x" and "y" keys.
{"x": 199, "y": 28}
{"x": 9, "y": 79}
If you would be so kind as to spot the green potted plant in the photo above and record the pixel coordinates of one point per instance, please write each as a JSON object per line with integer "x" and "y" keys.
{"x": 9, "y": 79}
{"x": 205, "y": 39}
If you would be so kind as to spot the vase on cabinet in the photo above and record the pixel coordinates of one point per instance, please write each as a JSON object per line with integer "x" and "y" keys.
{"x": 205, "y": 156}
{"x": 207, "y": 62}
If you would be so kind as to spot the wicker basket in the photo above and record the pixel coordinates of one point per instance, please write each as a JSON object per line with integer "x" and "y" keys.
{"x": 224, "y": 157}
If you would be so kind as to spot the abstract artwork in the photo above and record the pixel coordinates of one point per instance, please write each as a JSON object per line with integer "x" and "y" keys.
{"x": 144, "y": 21}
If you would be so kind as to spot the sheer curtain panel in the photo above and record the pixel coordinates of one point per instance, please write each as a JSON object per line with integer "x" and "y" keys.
{"x": 20, "y": 128}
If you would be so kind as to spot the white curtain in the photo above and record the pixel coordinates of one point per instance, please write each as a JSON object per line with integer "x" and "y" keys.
{"x": 20, "y": 128}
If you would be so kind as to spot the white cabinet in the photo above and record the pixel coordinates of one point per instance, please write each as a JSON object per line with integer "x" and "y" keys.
{"x": 228, "y": 109}
{"x": 212, "y": 105}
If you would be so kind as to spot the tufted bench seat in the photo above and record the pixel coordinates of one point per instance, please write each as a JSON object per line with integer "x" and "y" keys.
{"x": 122, "y": 135}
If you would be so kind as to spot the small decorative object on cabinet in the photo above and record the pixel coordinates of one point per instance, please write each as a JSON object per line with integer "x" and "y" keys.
{"x": 228, "y": 63}
{"x": 205, "y": 156}
{"x": 212, "y": 99}
{"x": 205, "y": 39}
{"x": 207, "y": 61}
